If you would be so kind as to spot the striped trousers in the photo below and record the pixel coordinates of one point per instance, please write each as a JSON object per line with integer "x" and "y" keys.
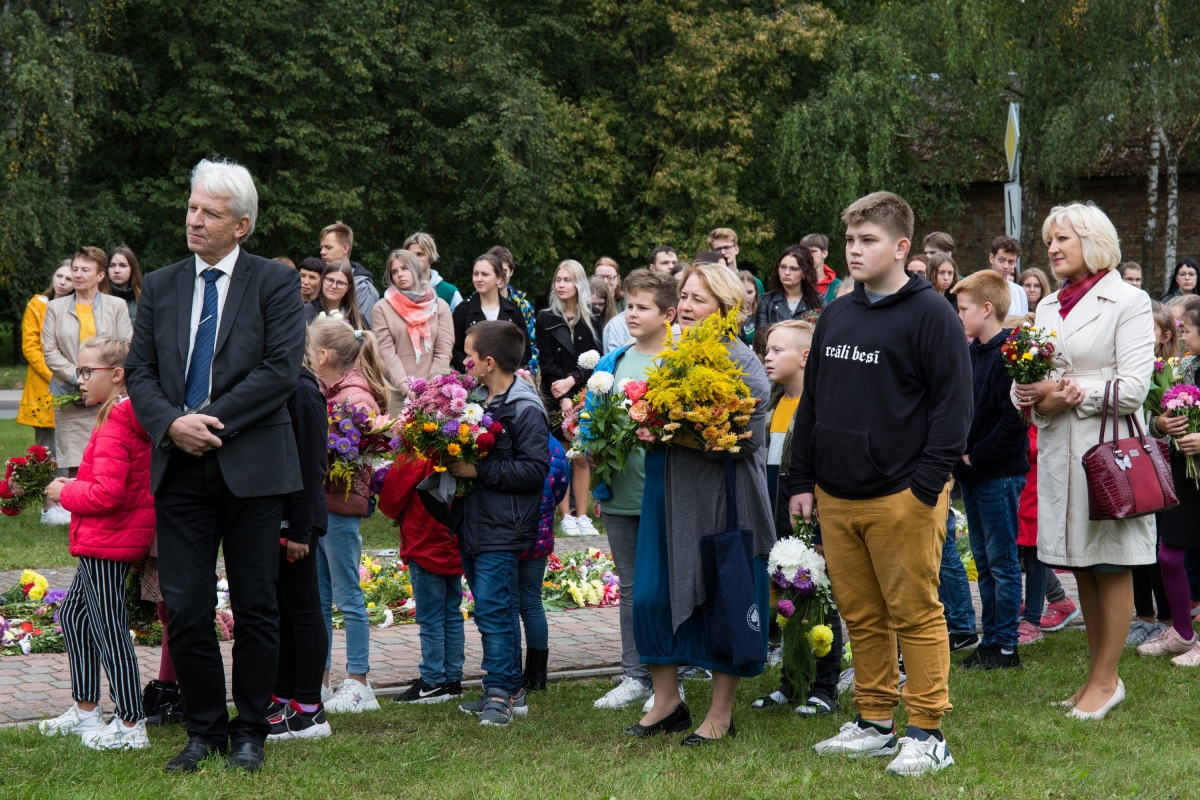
{"x": 95, "y": 626}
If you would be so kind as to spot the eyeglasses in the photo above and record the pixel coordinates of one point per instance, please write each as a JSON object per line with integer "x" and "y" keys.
{"x": 725, "y": 248}
{"x": 85, "y": 373}
{"x": 332, "y": 284}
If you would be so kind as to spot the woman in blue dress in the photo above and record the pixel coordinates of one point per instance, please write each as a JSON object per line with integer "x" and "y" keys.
{"x": 685, "y": 500}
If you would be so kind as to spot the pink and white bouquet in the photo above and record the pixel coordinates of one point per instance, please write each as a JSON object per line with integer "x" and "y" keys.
{"x": 1183, "y": 400}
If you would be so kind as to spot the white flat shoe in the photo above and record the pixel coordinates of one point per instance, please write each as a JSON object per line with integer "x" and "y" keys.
{"x": 1117, "y": 698}
{"x": 1063, "y": 704}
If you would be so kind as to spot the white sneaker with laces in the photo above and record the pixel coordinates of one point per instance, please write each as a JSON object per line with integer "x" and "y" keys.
{"x": 569, "y": 526}
{"x": 326, "y": 694}
{"x": 586, "y": 528}
{"x": 629, "y": 692}
{"x": 855, "y": 741}
{"x": 117, "y": 736}
{"x": 56, "y": 515}
{"x": 73, "y": 720}
{"x": 920, "y": 757}
{"x": 351, "y": 698}
{"x": 649, "y": 704}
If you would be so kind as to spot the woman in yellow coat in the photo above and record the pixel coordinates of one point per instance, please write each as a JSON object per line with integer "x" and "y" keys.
{"x": 37, "y": 410}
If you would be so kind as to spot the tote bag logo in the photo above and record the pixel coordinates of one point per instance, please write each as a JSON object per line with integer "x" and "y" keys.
{"x": 752, "y": 618}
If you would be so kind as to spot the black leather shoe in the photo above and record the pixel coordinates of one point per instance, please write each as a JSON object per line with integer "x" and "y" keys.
{"x": 190, "y": 756}
{"x": 696, "y": 740}
{"x": 246, "y": 756}
{"x": 678, "y": 720}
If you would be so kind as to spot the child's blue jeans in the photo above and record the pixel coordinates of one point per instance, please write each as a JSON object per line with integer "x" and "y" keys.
{"x": 439, "y": 616}
{"x": 992, "y": 523}
{"x": 953, "y": 590}
{"x": 338, "y": 556}
{"x": 492, "y": 577}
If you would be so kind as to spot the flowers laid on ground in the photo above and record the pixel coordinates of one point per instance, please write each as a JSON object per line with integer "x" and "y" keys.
{"x": 798, "y": 570}
{"x": 387, "y": 590}
{"x": 696, "y": 394}
{"x": 1028, "y": 356}
{"x": 579, "y": 579}
{"x": 1183, "y": 400}
{"x": 25, "y": 479}
{"x": 357, "y": 438}
{"x": 446, "y": 421}
{"x": 29, "y": 617}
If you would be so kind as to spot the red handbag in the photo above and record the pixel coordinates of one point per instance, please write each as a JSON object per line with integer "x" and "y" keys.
{"x": 1130, "y": 477}
{"x": 353, "y": 501}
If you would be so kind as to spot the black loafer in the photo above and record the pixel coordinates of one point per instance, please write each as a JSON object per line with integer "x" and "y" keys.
{"x": 247, "y": 756}
{"x": 696, "y": 740}
{"x": 678, "y": 720}
{"x": 192, "y": 754}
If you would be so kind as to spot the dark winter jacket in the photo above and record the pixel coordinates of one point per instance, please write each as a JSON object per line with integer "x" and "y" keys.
{"x": 559, "y": 349}
{"x": 468, "y": 312}
{"x": 887, "y": 397}
{"x": 305, "y": 511}
{"x": 501, "y": 512}
{"x": 998, "y": 439}
{"x": 773, "y": 307}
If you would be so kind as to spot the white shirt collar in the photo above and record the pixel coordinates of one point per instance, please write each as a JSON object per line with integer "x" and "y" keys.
{"x": 225, "y": 264}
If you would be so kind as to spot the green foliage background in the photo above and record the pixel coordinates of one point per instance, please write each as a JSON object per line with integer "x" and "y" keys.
{"x": 559, "y": 128}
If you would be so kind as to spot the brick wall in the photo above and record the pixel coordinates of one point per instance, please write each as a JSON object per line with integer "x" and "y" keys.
{"x": 1123, "y": 199}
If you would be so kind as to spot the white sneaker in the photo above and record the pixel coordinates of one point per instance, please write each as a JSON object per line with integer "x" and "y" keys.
{"x": 629, "y": 692}
{"x": 586, "y": 528}
{"x": 649, "y": 704}
{"x": 570, "y": 527}
{"x": 351, "y": 698}
{"x": 326, "y": 694}
{"x": 116, "y": 736}
{"x": 920, "y": 757}
{"x": 857, "y": 742}
{"x": 56, "y": 515}
{"x": 73, "y": 720}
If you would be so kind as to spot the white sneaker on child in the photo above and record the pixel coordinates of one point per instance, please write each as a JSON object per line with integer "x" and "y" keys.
{"x": 649, "y": 704}
{"x": 351, "y": 698}
{"x": 629, "y": 692}
{"x": 73, "y": 720}
{"x": 569, "y": 526}
{"x": 586, "y": 528}
{"x": 117, "y": 736}
{"x": 56, "y": 515}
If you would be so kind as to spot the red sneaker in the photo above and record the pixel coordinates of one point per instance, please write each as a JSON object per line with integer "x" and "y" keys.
{"x": 1058, "y": 615}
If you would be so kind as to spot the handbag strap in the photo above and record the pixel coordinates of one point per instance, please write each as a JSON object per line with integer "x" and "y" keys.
{"x": 1108, "y": 389}
{"x": 731, "y": 505}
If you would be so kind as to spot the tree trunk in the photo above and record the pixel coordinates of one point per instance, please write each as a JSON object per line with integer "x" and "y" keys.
{"x": 1172, "y": 239}
{"x": 1148, "y": 235}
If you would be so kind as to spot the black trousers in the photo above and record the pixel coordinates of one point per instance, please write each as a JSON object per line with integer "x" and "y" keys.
{"x": 303, "y": 642}
{"x": 197, "y": 514}
{"x": 829, "y": 668}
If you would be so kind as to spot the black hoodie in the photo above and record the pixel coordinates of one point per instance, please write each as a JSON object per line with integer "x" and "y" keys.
{"x": 887, "y": 397}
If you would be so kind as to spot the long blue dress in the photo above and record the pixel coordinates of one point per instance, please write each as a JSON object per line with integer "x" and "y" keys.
{"x": 656, "y": 642}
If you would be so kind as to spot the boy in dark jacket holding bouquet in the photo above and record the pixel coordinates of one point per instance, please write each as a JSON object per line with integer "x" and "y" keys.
{"x": 499, "y": 518}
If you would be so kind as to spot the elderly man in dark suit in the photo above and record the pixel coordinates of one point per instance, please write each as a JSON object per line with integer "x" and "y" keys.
{"x": 215, "y": 355}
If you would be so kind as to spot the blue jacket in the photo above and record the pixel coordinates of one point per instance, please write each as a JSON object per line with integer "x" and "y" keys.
{"x": 608, "y": 363}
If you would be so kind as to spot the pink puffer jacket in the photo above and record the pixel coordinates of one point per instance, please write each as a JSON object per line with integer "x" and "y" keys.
{"x": 112, "y": 510}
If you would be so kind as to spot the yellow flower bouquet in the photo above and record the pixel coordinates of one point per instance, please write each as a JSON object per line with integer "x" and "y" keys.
{"x": 696, "y": 395}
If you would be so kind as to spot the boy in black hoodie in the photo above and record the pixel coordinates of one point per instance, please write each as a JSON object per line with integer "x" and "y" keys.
{"x": 882, "y": 421}
{"x": 992, "y": 471}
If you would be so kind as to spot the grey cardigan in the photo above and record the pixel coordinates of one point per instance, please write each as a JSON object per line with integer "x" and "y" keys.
{"x": 695, "y": 496}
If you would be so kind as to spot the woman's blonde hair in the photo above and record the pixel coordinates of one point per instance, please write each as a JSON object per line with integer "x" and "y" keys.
{"x": 409, "y": 261}
{"x": 112, "y": 351}
{"x": 426, "y": 243}
{"x": 583, "y": 295}
{"x": 1097, "y": 234}
{"x": 350, "y": 348}
{"x": 720, "y": 281}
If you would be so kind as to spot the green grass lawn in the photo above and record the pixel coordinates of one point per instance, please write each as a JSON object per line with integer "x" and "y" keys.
{"x": 1007, "y": 742}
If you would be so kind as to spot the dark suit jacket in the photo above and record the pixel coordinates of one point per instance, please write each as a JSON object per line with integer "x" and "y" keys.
{"x": 260, "y": 346}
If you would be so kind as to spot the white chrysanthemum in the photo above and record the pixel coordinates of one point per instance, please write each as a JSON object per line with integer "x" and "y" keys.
{"x": 573, "y": 454}
{"x": 600, "y": 382}
{"x": 472, "y": 414}
{"x": 589, "y": 359}
{"x": 811, "y": 562}
{"x": 621, "y": 384}
{"x": 791, "y": 554}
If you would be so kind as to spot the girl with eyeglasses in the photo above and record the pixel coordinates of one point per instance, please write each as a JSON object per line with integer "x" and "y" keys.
{"x": 336, "y": 297}
{"x": 793, "y": 289}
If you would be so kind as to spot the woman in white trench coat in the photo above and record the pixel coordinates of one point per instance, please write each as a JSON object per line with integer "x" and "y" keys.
{"x": 1104, "y": 331}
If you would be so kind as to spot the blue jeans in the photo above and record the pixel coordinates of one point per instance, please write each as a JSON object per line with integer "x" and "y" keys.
{"x": 439, "y": 615}
{"x": 992, "y": 523}
{"x": 529, "y": 605}
{"x": 954, "y": 592}
{"x": 338, "y": 554}
{"x": 493, "y": 581}
{"x": 1035, "y": 585}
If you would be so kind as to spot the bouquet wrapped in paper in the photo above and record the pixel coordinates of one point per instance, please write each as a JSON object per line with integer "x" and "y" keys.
{"x": 25, "y": 479}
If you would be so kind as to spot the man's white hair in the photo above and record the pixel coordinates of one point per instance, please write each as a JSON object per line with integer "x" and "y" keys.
{"x": 229, "y": 180}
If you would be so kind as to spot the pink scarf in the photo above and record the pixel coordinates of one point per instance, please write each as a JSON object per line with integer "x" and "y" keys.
{"x": 1073, "y": 291}
{"x": 416, "y": 311}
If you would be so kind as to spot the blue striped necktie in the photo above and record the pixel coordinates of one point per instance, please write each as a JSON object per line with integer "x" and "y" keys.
{"x": 200, "y": 368}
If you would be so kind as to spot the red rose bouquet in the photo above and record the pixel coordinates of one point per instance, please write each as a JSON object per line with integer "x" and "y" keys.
{"x": 25, "y": 479}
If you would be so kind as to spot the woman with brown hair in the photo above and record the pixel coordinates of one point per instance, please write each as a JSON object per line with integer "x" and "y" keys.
{"x": 124, "y": 279}
{"x": 793, "y": 289}
{"x": 336, "y": 298}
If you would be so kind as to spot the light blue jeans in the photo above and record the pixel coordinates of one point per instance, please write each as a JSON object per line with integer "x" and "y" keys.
{"x": 338, "y": 556}
{"x": 439, "y": 615}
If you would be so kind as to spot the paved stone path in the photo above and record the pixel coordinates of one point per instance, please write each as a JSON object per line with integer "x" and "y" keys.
{"x": 38, "y": 686}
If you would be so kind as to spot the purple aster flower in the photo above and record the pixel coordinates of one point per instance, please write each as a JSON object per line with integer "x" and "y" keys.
{"x": 333, "y": 440}
{"x": 786, "y": 608}
{"x": 780, "y": 579}
{"x": 450, "y": 429}
{"x": 346, "y": 425}
{"x": 354, "y": 436}
{"x": 55, "y": 597}
{"x": 344, "y": 446}
{"x": 352, "y": 453}
{"x": 486, "y": 421}
{"x": 804, "y": 585}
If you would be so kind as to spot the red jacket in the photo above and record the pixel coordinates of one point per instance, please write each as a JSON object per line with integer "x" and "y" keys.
{"x": 112, "y": 510}
{"x": 424, "y": 540}
{"x": 1027, "y": 508}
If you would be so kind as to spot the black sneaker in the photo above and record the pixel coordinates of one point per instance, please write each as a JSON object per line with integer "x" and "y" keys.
{"x": 1002, "y": 660}
{"x": 962, "y": 642}
{"x": 454, "y": 688}
{"x": 983, "y": 658}
{"x": 422, "y": 692}
{"x": 308, "y": 724}
{"x": 278, "y": 715}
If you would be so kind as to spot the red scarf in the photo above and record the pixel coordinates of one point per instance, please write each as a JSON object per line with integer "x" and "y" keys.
{"x": 1073, "y": 291}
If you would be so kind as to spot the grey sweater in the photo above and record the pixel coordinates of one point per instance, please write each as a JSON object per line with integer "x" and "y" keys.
{"x": 695, "y": 496}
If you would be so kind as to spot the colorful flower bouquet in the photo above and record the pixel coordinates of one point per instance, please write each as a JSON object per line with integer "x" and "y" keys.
{"x": 1183, "y": 400}
{"x": 446, "y": 421}
{"x": 25, "y": 479}
{"x": 29, "y": 617}
{"x": 696, "y": 395}
{"x": 357, "y": 437}
{"x": 1028, "y": 356}
{"x": 580, "y": 579}
{"x": 613, "y": 421}
{"x": 805, "y": 598}
{"x": 1162, "y": 379}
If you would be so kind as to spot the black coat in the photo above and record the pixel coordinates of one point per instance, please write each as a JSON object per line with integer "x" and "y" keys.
{"x": 305, "y": 511}
{"x": 559, "y": 349}
{"x": 773, "y": 307}
{"x": 470, "y": 311}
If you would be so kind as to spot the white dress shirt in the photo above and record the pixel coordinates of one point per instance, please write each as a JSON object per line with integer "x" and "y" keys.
{"x": 225, "y": 265}
{"x": 1020, "y": 300}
